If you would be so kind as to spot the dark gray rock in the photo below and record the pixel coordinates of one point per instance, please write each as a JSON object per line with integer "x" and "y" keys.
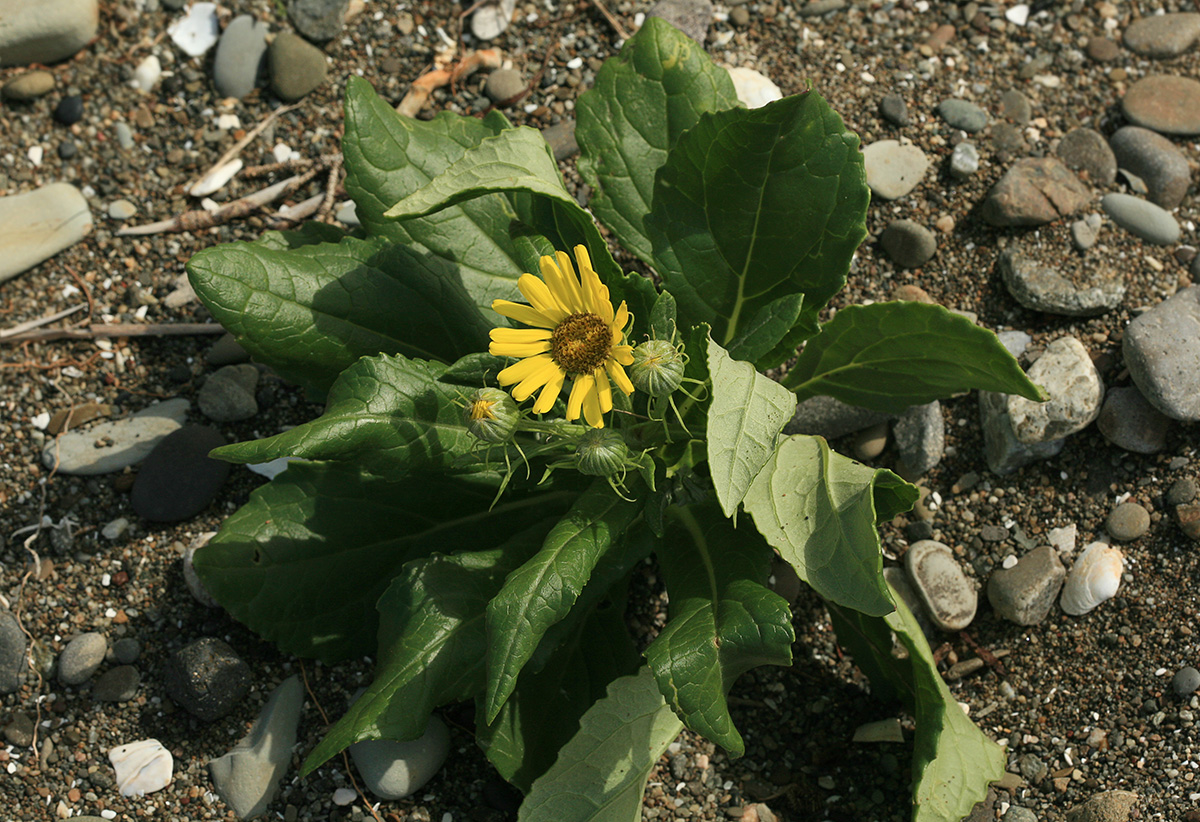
{"x": 893, "y": 109}
{"x": 963, "y": 115}
{"x": 1162, "y": 352}
{"x": 117, "y": 685}
{"x": 226, "y": 351}
{"x": 1156, "y": 161}
{"x": 830, "y": 418}
{"x": 1142, "y": 218}
{"x": 1085, "y": 150}
{"x": 1025, "y": 593}
{"x": 81, "y": 658}
{"x": 228, "y": 394}
{"x": 1128, "y": 421}
{"x": 178, "y": 480}
{"x": 12, "y": 652}
{"x": 1043, "y": 288}
{"x": 19, "y": 731}
{"x": 1005, "y": 453}
{"x": 908, "y": 243}
{"x": 240, "y": 57}
{"x": 206, "y": 678}
{"x": 127, "y": 650}
{"x": 692, "y": 17}
{"x": 561, "y": 139}
{"x": 920, "y": 434}
{"x": 318, "y": 20}
{"x": 1186, "y": 681}
{"x": 1035, "y": 191}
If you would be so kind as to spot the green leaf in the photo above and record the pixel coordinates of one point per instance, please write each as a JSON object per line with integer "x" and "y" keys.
{"x": 819, "y": 510}
{"x": 389, "y": 414}
{"x": 888, "y": 356}
{"x": 310, "y": 311}
{"x": 754, "y": 205}
{"x": 953, "y": 762}
{"x": 600, "y": 774}
{"x": 662, "y": 318}
{"x": 389, "y": 156}
{"x": 432, "y": 638}
{"x": 747, "y": 413}
{"x": 305, "y": 560}
{"x": 723, "y": 621}
{"x": 474, "y": 370}
{"x": 653, "y": 91}
{"x": 542, "y": 591}
{"x": 305, "y": 234}
{"x": 773, "y": 333}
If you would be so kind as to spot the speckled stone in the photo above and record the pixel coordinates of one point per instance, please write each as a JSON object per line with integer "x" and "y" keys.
{"x": 1127, "y": 521}
{"x": 962, "y": 114}
{"x": 1095, "y": 290}
{"x": 1109, "y": 806}
{"x": 1162, "y": 352}
{"x": 1128, "y": 421}
{"x": 1066, "y": 372}
{"x": 1034, "y": 191}
{"x": 948, "y": 595}
{"x": 1004, "y": 452}
{"x": 1085, "y": 150}
{"x": 1167, "y": 104}
{"x": 920, "y": 435}
{"x": 1025, "y": 593}
{"x": 894, "y": 167}
{"x": 908, "y": 243}
{"x": 1163, "y": 35}
{"x": 206, "y": 678}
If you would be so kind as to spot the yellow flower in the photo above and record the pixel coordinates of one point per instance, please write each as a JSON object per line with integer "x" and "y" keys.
{"x": 575, "y": 334}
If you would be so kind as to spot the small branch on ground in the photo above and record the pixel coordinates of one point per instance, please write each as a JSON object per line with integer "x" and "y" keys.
{"x": 104, "y": 331}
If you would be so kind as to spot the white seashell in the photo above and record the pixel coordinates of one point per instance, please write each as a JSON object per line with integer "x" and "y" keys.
{"x": 1094, "y": 578}
{"x": 216, "y": 179}
{"x": 146, "y": 74}
{"x": 198, "y": 31}
{"x": 753, "y": 88}
{"x": 271, "y": 469}
{"x": 142, "y": 767}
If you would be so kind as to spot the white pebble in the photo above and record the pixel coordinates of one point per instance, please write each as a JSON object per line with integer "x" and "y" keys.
{"x": 574, "y": 63}
{"x": 40, "y": 421}
{"x": 115, "y": 528}
{"x": 142, "y": 767}
{"x": 344, "y": 796}
{"x": 1018, "y": 14}
{"x": 1009, "y": 561}
{"x": 228, "y": 121}
{"x": 35, "y": 155}
{"x": 213, "y": 181}
{"x": 198, "y": 31}
{"x": 107, "y": 814}
{"x": 282, "y": 152}
{"x": 146, "y": 74}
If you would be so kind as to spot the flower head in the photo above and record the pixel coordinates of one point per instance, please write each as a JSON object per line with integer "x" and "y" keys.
{"x": 576, "y": 334}
{"x": 491, "y": 415}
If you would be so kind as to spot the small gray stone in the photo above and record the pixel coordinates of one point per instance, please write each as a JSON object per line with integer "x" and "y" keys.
{"x": 206, "y": 678}
{"x": 1186, "y": 681}
{"x": 19, "y": 731}
{"x": 830, "y": 418}
{"x": 124, "y": 135}
{"x": 1087, "y": 151}
{"x": 318, "y": 20}
{"x": 963, "y": 115}
{"x": 945, "y": 590}
{"x": 297, "y": 67}
{"x": 123, "y": 442}
{"x": 121, "y": 209}
{"x": 894, "y": 167}
{"x": 920, "y": 434}
{"x": 1142, "y": 218}
{"x": 127, "y": 650}
{"x": 964, "y": 160}
{"x": 36, "y": 225}
{"x": 1162, "y": 352}
{"x": 178, "y": 479}
{"x": 1034, "y": 191}
{"x": 898, "y": 581}
{"x": 1109, "y": 806}
{"x": 226, "y": 351}
{"x": 1015, "y": 342}
{"x": 1004, "y": 452}
{"x": 1032, "y": 768}
{"x": 228, "y": 394}
{"x": 1156, "y": 161}
{"x": 394, "y": 770}
{"x": 1167, "y": 104}
{"x": 240, "y": 56}
{"x": 1102, "y": 50}
{"x": 893, "y": 109}
{"x": 117, "y": 685}
{"x": 561, "y": 139}
{"x": 1085, "y": 232}
{"x": 1025, "y": 593}
{"x": 81, "y": 658}
{"x": 247, "y": 777}
{"x": 1066, "y": 372}
{"x": 1182, "y": 491}
{"x": 45, "y": 32}
{"x": 1008, "y": 140}
{"x": 1128, "y": 421}
{"x": 1127, "y": 521}
{"x": 908, "y": 243}
{"x": 1042, "y": 288}
{"x": 1163, "y": 35}
{"x": 504, "y": 84}
{"x": 1015, "y": 813}
{"x": 815, "y": 8}
{"x": 1016, "y": 107}
{"x": 12, "y": 652}
{"x": 28, "y": 86}
{"x": 492, "y": 19}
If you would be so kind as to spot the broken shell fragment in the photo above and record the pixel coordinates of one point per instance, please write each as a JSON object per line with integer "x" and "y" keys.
{"x": 142, "y": 767}
{"x": 1093, "y": 578}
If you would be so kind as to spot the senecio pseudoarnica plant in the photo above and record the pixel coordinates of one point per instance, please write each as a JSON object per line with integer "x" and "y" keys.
{"x": 512, "y": 423}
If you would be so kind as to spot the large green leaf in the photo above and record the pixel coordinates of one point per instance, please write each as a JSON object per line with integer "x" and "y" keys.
{"x": 388, "y": 414}
{"x": 820, "y": 509}
{"x": 389, "y": 156}
{"x": 542, "y": 591}
{"x": 310, "y": 310}
{"x": 723, "y": 620}
{"x": 754, "y": 205}
{"x": 953, "y": 762}
{"x": 653, "y": 91}
{"x": 888, "y": 356}
{"x": 432, "y": 639}
{"x": 600, "y": 774}
{"x": 773, "y": 332}
{"x": 305, "y": 560}
{"x": 746, "y": 415}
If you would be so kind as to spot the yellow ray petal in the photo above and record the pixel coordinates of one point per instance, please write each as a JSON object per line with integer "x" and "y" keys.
{"x": 591, "y": 410}
{"x": 622, "y": 354}
{"x": 584, "y": 385}
{"x": 507, "y": 349}
{"x": 540, "y": 297}
{"x": 523, "y": 314}
{"x": 622, "y": 318}
{"x": 559, "y": 286}
{"x": 520, "y": 335}
{"x": 620, "y": 377}
{"x": 535, "y": 380}
{"x": 578, "y": 296}
{"x": 603, "y": 391}
{"x": 545, "y": 400}
{"x": 520, "y": 370}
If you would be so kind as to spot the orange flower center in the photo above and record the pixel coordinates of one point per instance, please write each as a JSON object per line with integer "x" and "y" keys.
{"x": 581, "y": 343}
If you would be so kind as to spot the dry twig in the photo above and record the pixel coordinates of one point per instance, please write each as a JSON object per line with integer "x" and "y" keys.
{"x": 424, "y": 85}
{"x": 95, "y": 331}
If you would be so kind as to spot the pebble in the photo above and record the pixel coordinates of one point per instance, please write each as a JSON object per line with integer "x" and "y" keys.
{"x": 1014, "y": 342}
{"x": 80, "y": 659}
{"x": 893, "y": 109}
{"x": 119, "y": 684}
{"x": 830, "y": 418}
{"x": 870, "y": 442}
{"x": 962, "y": 114}
{"x": 1128, "y": 421}
{"x": 248, "y": 777}
{"x": 1188, "y": 517}
{"x": 492, "y": 19}
{"x": 19, "y": 731}
{"x": 58, "y": 29}
{"x": 504, "y": 84}
{"x": 297, "y": 67}
{"x": 121, "y": 209}
{"x": 894, "y": 167}
{"x": 1066, "y": 372}
{"x": 67, "y": 150}
{"x": 69, "y": 110}
{"x": 964, "y": 160}
{"x": 1004, "y": 452}
{"x": 561, "y": 139}
{"x": 124, "y": 135}
{"x": 908, "y": 243}
{"x": 124, "y": 442}
{"x": 197, "y": 31}
{"x": 1127, "y": 521}
{"x": 1164, "y": 103}
{"x": 753, "y": 88}
{"x": 1182, "y": 491}
{"x": 394, "y": 770}
{"x": 1085, "y": 150}
{"x": 1109, "y": 806}
{"x": 36, "y": 225}
{"x": 1162, "y": 351}
{"x": 226, "y": 351}
{"x": 146, "y": 75}
{"x": 1156, "y": 161}
{"x": 240, "y": 57}
{"x": 1186, "y": 681}
{"x": 1142, "y": 218}
{"x": 1016, "y": 107}
{"x": 1163, "y": 35}
{"x": 815, "y": 8}
{"x": 206, "y": 678}
{"x": 1043, "y": 288}
{"x": 191, "y": 578}
{"x": 12, "y": 652}
{"x": 920, "y": 434}
{"x": 178, "y": 479}
{"x": 28, "y": 86}
{"x": 1034, "y": 191}
{"x": 1018, "y": 814}
{"x": 1085, "y": 232}
{"x": 318, "y": 20}
{"x": 740, "y": 17}
{"x": 114, "y": 529}
{"x": 228, "y": 393}
{"x": 943, "y": 587}
{"x": 142, "y": 767}
{"x": 1025, "y": 593}
{"x": 1102, "y": 49}
{"x": 127, "y": 650}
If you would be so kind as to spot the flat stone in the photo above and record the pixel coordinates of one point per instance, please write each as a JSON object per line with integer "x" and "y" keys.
{"x": 119, "y": 684}
{"x": 81, "y": 658}
{"x": 1142, "y": 218}
{"x": 816, "y": 8}
{"x": 830, "y": 418}
{"x": 240, "y": 57}
{"x": 1164, "y": 103}
{"x": 944, "y": 589}
{"x": 1102, "y": 49}
{"x": 226, "y": 351}
{"x": 36, "y": 225}
{"x": 893, "y": 109}
{"x": 1163, "y": 35}
{"x": 1085, "y": 150}
{"x": 248, "y": 777}
{"x": 228, "y": 393}
{"x": 1128, "y": 421}
{"x": 19, "y": 731}
{"x": 1025, "y": 593}
{"x": 1016, "y": 107}
{"x": 141, "y": 767}
{"x": 12, "y": 652}
{"x": 1004, "y": 452}
{"x": 394, "y": 770}
{"x": 920, "y": 435}
{"x": 297, "y": 67}
{"x": 178, "y": 479}
{"x": 1042, "y": 288}
{"x": 964, "y": 160}
{"x": 318, "y": 20}
{"x": 1162, "y": 352}
{"x": 206, "y": 678}
{"x": 962, "y": 114}
{"x": 121, "y": 442}
{"x": 1183, "y": 491}
{"x": 908, "y": 243}
{"x": 1085, "y": 232}
{"x": 561, "y": 139}
{"x": 504, "y": 84}
{"x": 28, "y": 86}
{"x": 491, "y": 20}
{"x": 46, "y": 31}
{"x": 1035, "y": 191}
{"x": 1110, "y": 806}
{"x": 894, "y": 167}
{"x": 127, "y": 650}
{"x": 1156, "y": 161}
{"x": 1066, "y": 372}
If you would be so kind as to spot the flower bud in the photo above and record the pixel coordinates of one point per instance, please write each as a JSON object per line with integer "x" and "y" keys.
{"x": 601, "y": 452}
{"x": 657, "y": 368}
{"x": 491, "y": 415}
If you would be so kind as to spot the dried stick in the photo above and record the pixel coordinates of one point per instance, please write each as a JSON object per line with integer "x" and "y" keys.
{"x": 612, "y": 21}
{"x": 237, "y": 147}
{"x": 197, "y": 220}
{"x": 17, "y": 330}
{"x": 424, "y": 85}
{"x": 104, "y": 331}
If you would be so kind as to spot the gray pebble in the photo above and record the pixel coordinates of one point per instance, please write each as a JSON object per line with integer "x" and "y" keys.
{"x": 819, "y": 7}
{"x": 963, "y": 115}
{"x": 117, "y": 685}
{"x": 1162, "y": 352}
{"x": 206, "y": 678}
{"x": 1154, "y": 159}
{"x": 894, "y": 167}
{"x": 692, "y": 17}
{"x": 12, "y": 652}
{"x": 1015, "y": 813}
{"x": 318, "y": 20}
{"x": 124, "y": 135}
{"x": 1085, "y": 232}
{"x": 831, "y": 418}
{"x": 1127, "y": 521}
{"x": 1128, "y": 421}
{"x": 1065, "y": 370}
{"x": 920, "y": 434}
{"x": 19, "y": 731}
{"x": 1185, "y": 681}
{"x": 81, "y": 658}
{"x": 1182, "y": 491}
{"x": 893, "y": 109}
{"x": 561, "y": 139}
{"x": 964, "y": 160}
{"x": 240, "y": 56}
{"x": 228, "y": 395}
{"x": 394, "y": 770}
{"x": 1032, "y": 768}
{"x": 1015, "y": 106}
{"x": 740, "y": 17}
{"x": 909, "y": 244}
{"x": 1086, "y": 150}
{"x": 297, "y": 67}
{"x": 127, "y": 650}
{"x": 1004, "y": 452}
{"x": 504, "y": 84}
{"x": 226, "y": 351}
{"x": 1092, "y": 291}
{"x": 1142, "y": 218}
{"x": 1025, "y": 593}
{"x": 125, "y": 441}
{"x": 121, "y": 209}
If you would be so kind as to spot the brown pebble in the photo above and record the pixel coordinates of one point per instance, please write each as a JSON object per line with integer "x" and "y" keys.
{"x": 940, "y": 38}
{"x": 944, "y": 224}
{"x": 912, "y": 293}
{"x": 1102, "y": 50}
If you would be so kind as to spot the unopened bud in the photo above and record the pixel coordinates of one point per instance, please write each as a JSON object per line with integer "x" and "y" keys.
{"x": 491, "y": 415}
{"x": 657, "y": 368}
{"x": 601, "y": 452}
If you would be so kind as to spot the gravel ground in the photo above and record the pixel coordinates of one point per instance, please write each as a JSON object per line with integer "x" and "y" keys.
{"x": 1084, "y": 704}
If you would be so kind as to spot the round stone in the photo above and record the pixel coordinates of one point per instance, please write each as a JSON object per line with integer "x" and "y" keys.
{"x": 206, "y": 678}
{"x": 228, "y": 395}
{"x": 178, "y": 479}
{"x": 117, "y": 685}
{"x": 963, "y": 115}
{"x": 504, "y": 84}
{"x": 894, "y": 167}
{"x": 1142, "y": 217}
{"x": 1185, "y": 681}
{"x": 1182, "y": 491}
{"x": 1086, "y": 150}
{"x": 964, "y": 160}
{"x": 81, "y": 658}
{"x": 121, "y": 209}
{"x": 318, "y": 20}
{"x": 893, "y": 109}
{"x": 1167, "y": 104}
{"x": 1156, "y": 160}
{"x": 1066, "y": 372}
{"x": 297, "y": 67}
{"x": 1102, "y": 50}
{"x": 28, "y": 86}
{"x": 909, "y": 244}
{"x": 127, "y": 650}
{"x": 239, "y": 56}
{"x": 67, "y": 150}
{"x": 1163, "y": 35}
{"x": 69, "y": 110}
{"x": 943, "y": 587}
{"x": 1128, "y": 421}
{"x": 1127, "y": 521}
{"x": 394, "y": 770}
